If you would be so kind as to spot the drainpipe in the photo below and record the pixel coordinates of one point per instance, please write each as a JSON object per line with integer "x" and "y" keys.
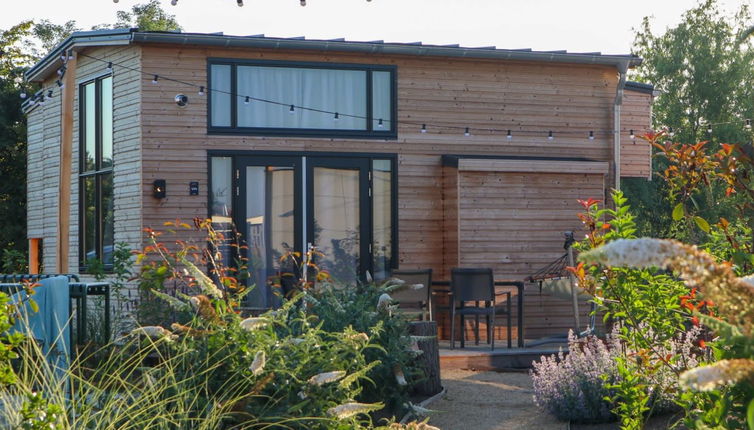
{"x": 622, "y": 68}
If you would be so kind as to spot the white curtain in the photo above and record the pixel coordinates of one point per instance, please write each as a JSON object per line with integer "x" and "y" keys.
{"x": 342, "y": 91}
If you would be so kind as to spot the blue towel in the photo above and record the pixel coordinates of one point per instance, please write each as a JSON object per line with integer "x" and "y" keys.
{"x": 50, "y": 325}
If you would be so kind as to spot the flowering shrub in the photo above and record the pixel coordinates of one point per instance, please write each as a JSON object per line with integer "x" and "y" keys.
{"x": 579, "y": 386}
{"x": 574, "y": 387}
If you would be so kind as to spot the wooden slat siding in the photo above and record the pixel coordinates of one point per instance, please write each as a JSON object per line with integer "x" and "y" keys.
{"x": 533, "y": 166}
{"x": 126, "y": 145}
{"x": 50, "y": 175}
{"x": 458, "y": 92}
{"x": 513, "y": 222}
{"x": 35, "y": 183}
{"x": 636, "y": 155}
{"x": 451, "y": 234}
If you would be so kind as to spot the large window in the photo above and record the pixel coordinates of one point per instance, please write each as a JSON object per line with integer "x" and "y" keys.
{"x": 281, "y": 202}
{"x": 295, "y": 99}
{"x": 96, "y": 172}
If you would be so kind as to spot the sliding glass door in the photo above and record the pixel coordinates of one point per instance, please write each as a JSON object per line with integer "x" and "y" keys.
{"x": 339, "y": 224}
{"x": 269, "y": 223}
{"x": 344, "y": 206}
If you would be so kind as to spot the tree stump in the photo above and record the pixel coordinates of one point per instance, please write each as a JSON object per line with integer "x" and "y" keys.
{"x": 429, "y": 360}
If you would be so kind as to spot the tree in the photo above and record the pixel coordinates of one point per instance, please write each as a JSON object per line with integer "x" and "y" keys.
{"x": 147, "y": 17}
{"x": 704, "y": 73}
{"x": 13, "y": 60}
{"x": 20, "y": 47}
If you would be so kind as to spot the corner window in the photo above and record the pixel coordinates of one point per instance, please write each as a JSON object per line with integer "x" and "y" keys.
{"x": 302, "y": 99}
{"x": 96, "y": 172}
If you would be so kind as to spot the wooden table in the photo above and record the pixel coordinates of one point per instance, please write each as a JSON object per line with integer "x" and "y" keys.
{"x": 443, "y": 287}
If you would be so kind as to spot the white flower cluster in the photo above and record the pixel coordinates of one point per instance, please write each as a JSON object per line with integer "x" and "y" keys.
{"x": 257, "y": 366}
{"x": 326, "y": 377}
{"x": 347, "y": 410}
{"x": 253, "y": 323}
{"x": 639, "y": 253}
{"x": 723, "y": 372}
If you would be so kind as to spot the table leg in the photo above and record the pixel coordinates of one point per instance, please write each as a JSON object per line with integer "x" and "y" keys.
{"x": 520, "y": 315}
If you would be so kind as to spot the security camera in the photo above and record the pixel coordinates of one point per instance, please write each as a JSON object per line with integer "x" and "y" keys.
{"x": 181, "y": 100}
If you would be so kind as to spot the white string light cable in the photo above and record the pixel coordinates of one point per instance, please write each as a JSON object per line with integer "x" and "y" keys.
{"x": 467, "y": 131}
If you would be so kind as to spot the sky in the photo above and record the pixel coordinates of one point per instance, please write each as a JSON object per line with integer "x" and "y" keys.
{"x": 575, "y": 25}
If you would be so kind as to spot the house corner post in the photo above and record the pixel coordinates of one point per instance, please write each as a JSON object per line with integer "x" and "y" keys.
{"x": 66, "y": 165}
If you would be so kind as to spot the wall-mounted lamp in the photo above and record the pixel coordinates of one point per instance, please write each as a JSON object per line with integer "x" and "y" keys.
{"x": 158, "y": 188}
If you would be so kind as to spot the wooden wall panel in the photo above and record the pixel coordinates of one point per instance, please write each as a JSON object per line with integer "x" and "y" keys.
{"x": 513, "y": 222}
{"x": 446, "y": 91}
{"x": 636, "y": 154}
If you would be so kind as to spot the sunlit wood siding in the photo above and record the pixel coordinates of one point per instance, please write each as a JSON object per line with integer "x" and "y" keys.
{"x": 126, "y": 144}
{"x": 635, "y": 154}
{"x": 446, "y": 91}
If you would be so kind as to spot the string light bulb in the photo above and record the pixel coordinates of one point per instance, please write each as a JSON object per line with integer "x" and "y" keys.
{"x": 336, "y": 117}
{"x": 549, "y": 135}
{"x": 509, "y": 136}
{"x": 109, "y": 68}
{"x": 201, "y": 91}
{"x": 49, "y": 94}
{"x": 60, "y": 83}
{"x": 467, "y": 133}
{"x": 591, "y": 135}
{"x": 709, "y": 128}
{"x": 303, "y": 2}
{"x": 292, "y": 110}
{"x": 155, "y": 79}
{"x": 247, "y": 100}
{"x": 23, "y": 94}
{"x": 424, "y": 128}
{"x": 240, "y": 3}
{"x": 748, "y": 124}
{"x": 379, "y": 123}
{"x": 174, "y": 2}
{"x": 671, "y": 133}
{"x": 631, "y": 135}
{"x": 70, "y": 54}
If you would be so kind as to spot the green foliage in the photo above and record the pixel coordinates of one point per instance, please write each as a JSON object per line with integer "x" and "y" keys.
{"x": 645, "y": 304}
{"x": 705, "y": 74}
{"x": 147, "y": 17}
{"x": 356, "y": 307}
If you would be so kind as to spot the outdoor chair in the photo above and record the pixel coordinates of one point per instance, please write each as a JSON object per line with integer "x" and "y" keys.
{"x": 413, "y": 300}
{"x": 469, "y": 287}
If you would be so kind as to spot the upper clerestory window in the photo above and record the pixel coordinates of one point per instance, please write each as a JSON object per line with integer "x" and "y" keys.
{"x": 276, "y": 98}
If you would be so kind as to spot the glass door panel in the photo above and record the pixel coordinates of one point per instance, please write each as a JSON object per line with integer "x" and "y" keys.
{"x": 269, "y": 227}
{"x": 337, "y": 197}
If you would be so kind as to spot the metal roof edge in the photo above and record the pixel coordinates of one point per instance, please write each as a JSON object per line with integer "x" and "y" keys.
{"x": 639, "y": 87}
{"x": 383, "y": 48}
{"x": 118, "y": 36}
{"x": 451, "y": 160}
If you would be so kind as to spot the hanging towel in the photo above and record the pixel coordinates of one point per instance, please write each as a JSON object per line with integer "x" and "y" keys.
{"x": 50, "y": 325}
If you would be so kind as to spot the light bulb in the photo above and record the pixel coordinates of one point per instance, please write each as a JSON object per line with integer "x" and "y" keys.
{"x": 303, "y": 2}
{"x": 424, "y": 128}
{"x": 467, "y": 133}
{"x": 631, "y": 135}
{"x": 154, "y": 80}
{"x": 549, "y": 136}
{"x": 509, "y": 136}
{"x": 336, "y": 117}
{"x": 23, "y": 94}
{"x": 109, "y": 68}
{"x": 591, "y": 135}
{"x": 379, "y": 123}
{"x": 201, "y": 91}
{"x": 240, "y": 3}
{"x": 246, "y": 100}
{"x": 748, "y": 124}
{"x": 292, "y": 110}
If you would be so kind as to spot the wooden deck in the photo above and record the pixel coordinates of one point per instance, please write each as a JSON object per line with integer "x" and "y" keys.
{"x": 480, "y": 357}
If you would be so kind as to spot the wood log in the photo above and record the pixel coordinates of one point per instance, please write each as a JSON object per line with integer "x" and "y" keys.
{"x": 429, "y": 360}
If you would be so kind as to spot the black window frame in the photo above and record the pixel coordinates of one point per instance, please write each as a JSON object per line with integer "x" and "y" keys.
{"x": 386, "y": 134}
{"x": 237, "y": 161}
{"x": 98, "y": 174}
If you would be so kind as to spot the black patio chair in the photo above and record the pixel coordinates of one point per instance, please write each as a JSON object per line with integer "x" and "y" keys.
{"x": 476, "y": 285}
{"x": 412, "y": 299}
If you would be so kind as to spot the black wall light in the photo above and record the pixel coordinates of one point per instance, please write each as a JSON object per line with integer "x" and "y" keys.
{"x": 158, "y": 188}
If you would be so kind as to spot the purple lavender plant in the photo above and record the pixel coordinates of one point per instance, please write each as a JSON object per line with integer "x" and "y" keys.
{"x": 573, "y": 386}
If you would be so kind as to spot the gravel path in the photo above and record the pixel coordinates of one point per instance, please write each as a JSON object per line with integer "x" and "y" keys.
{"x": 489, "y": 401}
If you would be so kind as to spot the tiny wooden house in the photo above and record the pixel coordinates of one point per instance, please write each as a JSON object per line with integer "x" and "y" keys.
{"x": 383, "y": 155}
